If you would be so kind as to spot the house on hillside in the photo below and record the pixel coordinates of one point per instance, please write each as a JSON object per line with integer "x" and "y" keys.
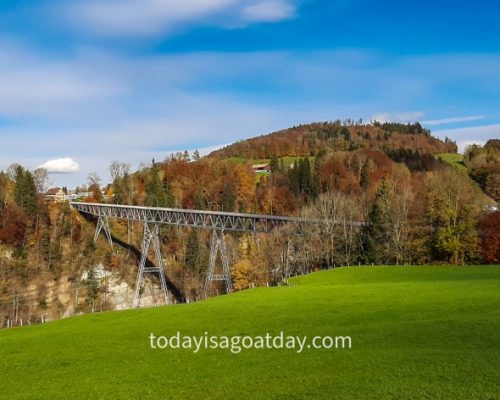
{"x": 55, "y": 194}
{"x": 261, "y": 167}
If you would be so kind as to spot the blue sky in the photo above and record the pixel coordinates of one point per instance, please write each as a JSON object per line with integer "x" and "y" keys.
{"x": 87, "y": 82}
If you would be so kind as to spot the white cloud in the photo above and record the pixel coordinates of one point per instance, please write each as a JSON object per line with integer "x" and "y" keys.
{"x": 61, "y": 166}
{"x": 454, "y": 120}
{"x": 154, "y": 17}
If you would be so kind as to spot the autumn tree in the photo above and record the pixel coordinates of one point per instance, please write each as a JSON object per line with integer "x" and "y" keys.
{"x": 489, "y": 228}
{"x": 452, "y": 207}
{"x": 94, "y": 186}
{"x": 4, "y": 182}
{"x": 388, "y": 223}
{"x": 336, "y": 239}
{"x": 120, "y": 173}
{"x": 242, "y": 273}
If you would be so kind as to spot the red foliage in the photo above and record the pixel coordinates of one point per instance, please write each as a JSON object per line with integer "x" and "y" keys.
{"x": 339, "y": 175}
{"x": 489, "y": 227}
{"x": 13, "y": 225}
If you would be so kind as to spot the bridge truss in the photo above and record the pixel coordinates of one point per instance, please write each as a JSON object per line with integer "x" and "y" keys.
{"x": 152, "y": 217}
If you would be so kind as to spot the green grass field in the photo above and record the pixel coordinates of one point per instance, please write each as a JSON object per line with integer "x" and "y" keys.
{"x": 455, "y": 160}
{"x": 417, "y": 333}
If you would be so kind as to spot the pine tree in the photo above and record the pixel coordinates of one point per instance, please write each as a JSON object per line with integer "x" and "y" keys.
{"x": 293, "y": 177}
{"x": 155, "y": 196}
{"x": 192, "y": 249}
{"x": 365, "y": 177}
{"x": 169, "y": 195}
{"x": 315, "y": 180}
{"x": 274, "y": 164}
{"x": 306, "y": 176}
{"x": 229, "y": 195}
{"x": 198, "y": 201}
{"x": 25, "y": 193}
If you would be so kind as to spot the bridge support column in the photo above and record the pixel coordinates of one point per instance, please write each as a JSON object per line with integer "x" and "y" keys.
{"x": 218, "y": 243}
{"x": 151, "y": 236}
{"x": 103, "y": 225}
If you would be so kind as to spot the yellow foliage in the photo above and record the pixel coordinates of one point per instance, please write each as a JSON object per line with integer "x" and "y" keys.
{"x": 242, "y": 273}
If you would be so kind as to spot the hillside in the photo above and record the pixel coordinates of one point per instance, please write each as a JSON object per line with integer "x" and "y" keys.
{"x": 308, "y": 140}
{"x": 417, "y": 332}
{"x": 422, "y": 205}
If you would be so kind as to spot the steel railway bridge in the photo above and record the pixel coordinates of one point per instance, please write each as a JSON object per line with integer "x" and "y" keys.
{"x": 153, "y": 217}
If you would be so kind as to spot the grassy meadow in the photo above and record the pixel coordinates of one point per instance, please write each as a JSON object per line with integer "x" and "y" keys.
{"x": 417, "y": 333}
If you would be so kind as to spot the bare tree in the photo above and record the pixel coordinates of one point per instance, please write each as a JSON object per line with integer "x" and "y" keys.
{"x": 41, "y": 177}
{"x": 389, "y": 217}
{"x": 118, "y": 170}
{"x": 337, "y": 234}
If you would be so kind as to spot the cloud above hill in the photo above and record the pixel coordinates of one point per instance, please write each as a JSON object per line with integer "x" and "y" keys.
{"x": 61, "y": 166}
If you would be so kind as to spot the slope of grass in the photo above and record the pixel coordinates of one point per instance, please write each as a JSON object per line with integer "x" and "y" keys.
{"x": 455, "y": 160}
{"x": 417, "y": 333}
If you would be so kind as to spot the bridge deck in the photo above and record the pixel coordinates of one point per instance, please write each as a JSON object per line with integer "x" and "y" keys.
{"x": 227, "y": 221}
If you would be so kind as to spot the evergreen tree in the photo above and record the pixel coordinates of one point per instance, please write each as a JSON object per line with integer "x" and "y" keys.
{"x": 155, "y": 195}
{"x": 281, "y": 165}
{"x": 306, "y": 176}
{"x": 315, "y": 179}
{"x": 346, "y": 134}
{"x": 25, "y": 193}
{"x": 192, "y": 249}
{"x": 293, "y": 177}
{"x": 365, "y": 177}
{"x": 274, "y": 164}
{"x": 229, "y": 195}
{"x": 169, "y": 195}
{"x": 199, "y": 204}
{"x": 92, "y": 284}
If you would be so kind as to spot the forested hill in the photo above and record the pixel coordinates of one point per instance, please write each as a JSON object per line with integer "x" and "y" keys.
{"x": 423, "y": 203}
{"x": 308, "y": 140}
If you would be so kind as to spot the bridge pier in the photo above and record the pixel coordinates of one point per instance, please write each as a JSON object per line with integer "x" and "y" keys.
{"x": 151, "y": 236}
{"x": 218, "y": 243}
{"x": 103, "y": 225}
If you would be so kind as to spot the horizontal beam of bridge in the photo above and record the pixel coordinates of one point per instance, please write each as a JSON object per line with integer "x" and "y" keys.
{"x": 224, "y": 221}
